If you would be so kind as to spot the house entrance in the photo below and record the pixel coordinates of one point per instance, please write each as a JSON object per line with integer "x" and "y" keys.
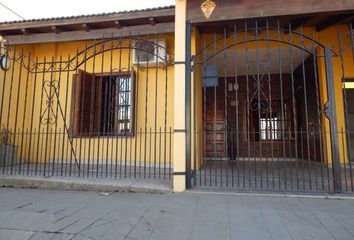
{"x": 261, "y": 120}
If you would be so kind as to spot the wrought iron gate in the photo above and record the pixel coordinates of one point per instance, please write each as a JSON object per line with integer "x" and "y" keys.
{"x": 102, "y": 110}
{"x": 264, "y": 112}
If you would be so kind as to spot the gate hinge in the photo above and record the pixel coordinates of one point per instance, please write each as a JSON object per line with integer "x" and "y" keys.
{"x": 327, "y": 110}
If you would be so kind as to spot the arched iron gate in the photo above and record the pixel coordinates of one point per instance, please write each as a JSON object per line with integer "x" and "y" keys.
{"x": 100, "y": 110}
{"x": 264, "y": 110}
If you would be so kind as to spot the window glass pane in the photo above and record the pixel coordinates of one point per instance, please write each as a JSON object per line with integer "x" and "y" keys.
{"x": 115, "y": 105}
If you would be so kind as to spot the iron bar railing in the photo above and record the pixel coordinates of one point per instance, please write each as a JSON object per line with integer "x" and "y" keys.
{"x": 104, "y": 113}
{"x": 262, "y": 120}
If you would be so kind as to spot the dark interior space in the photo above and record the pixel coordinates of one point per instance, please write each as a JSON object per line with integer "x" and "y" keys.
{"x": 273, "y": 116}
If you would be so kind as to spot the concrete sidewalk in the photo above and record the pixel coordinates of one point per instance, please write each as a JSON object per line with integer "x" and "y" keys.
{"x": 87, "y": 184}
{"x": 44, "y": 214}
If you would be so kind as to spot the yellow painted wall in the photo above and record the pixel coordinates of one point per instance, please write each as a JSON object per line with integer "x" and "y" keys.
{"x": 110, "y": 147}
{"x": 48, "y": 147}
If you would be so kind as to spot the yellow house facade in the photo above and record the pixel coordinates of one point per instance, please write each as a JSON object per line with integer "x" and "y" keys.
{"x": 204, "y": 94}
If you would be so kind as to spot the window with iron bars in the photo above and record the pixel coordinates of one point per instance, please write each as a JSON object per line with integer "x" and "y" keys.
{"x": 102, "y": 105}
{"x": 273, "y": 123}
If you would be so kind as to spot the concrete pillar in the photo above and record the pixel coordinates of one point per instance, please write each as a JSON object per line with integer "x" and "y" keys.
{"x": 179, "y": 139}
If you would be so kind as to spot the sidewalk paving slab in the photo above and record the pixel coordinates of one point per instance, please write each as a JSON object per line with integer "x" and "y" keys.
{"x": 31, "y": 214}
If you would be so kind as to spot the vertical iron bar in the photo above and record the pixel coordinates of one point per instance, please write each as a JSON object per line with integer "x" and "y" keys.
{"x": 92, "y": 129}
{"x": 294, "y": 105}
{"x": 270, "y": 108}
{"x": 344, "y": 165}
{"x": 57, "y": 94}
{"x": 65, "y": 116}
{"x": 155, "y": 106}
{"x": 315, "y": 156}
{"x": 319, "y": 127}
{"x": 32, "y": 114}
{"x": 346, "y": 115}
{"x": 159, "y": 166}
{"x": 170, "y": 156}
{"x": 118, "y": 84}
{"x": 248, "y": 106}
{"x": 40, "y": 111}
{"x": 75, "y": 130}
{"x": 146, "y": 114}
{"x": 104, "y": 126}
{"x": 188, "y": 106}
{"x": 25, "y": 111}
{"x": 150, "y": 140}
{"x": 225, "y": 133}
{"x": 136, "y": 116}
{"x": 282, "y": 107}
{"x": 16, "y": 115}
{"x": 215, "y": 132}
{"x": 127, "y": 87}
{"x": 49, "y": 107}
{"x": 195, "y": 131}
{"x": 306, "y": 109}
{"x": 259, "y": 108}
{"x": 140, "y": 145}
{"x": 205, "y": 131}
{"x": 111, "y": 105}
{"x": 82, "y": 106}
{"x": 237, "y": 111}
{"x": 302, "y": 159}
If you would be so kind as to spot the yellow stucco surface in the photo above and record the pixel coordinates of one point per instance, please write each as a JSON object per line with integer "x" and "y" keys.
{"x": 24, "y": 89}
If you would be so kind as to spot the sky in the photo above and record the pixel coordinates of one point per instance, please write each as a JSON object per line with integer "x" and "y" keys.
{"x": 34, "y": 9}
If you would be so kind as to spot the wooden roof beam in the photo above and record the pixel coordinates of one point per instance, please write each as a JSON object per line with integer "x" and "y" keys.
{"x": 332, "y": 20}
{"x": 152, "y": 21}
{"x": 94, "y": 33}
{"x": 86, "y": 27}
{"x": 25, "y": 31}
{"x": 118, "y": 24}
{"x": 57, "y": 29}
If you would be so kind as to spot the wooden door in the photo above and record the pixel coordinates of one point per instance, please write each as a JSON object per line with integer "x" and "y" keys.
{"x": 215, "y": 122}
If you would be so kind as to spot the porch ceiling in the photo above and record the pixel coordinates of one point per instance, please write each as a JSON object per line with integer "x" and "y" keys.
{"x": 323, "y": 12}
{"x": 273, "y": 61}
{"x": 318, "y": 21}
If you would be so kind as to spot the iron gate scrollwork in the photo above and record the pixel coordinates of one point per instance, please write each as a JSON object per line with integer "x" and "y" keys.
{"x": 259, "y": 108}
{"x": 101, "y": 111}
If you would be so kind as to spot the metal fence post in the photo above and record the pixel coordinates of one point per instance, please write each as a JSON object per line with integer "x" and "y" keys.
{"x": 188, "y": 105}
{"x": 330, "y": 110}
